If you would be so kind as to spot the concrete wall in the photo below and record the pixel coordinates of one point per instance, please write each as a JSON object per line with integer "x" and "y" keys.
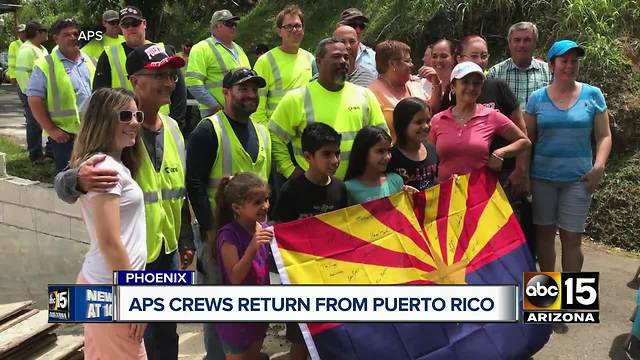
{"x": 42, "y": 240}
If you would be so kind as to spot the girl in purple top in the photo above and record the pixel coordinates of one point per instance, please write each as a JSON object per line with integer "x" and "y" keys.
{"x": 241, "y": 251}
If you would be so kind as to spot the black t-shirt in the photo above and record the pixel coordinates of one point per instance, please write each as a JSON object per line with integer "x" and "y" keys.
{"x": 419, "y": 174}
{"x": 496, "y": 94}
{"x": 300, "y": 198}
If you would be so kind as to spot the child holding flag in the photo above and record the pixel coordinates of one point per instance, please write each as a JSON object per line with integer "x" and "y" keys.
{"x": 243, "y": 202}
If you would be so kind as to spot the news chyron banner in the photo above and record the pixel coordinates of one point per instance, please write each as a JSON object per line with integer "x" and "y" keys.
{"x": 157, "y": 296}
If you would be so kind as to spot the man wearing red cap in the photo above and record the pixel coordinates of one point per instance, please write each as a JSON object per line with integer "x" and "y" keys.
{"x": 161, "y": 176}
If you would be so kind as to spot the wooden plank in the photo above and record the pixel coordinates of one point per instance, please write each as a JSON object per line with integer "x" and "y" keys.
{"x": 7, "y": 310}
{"x": 18, "y": 334}
{"x": 64, "y": 347}
{"x": 30, "y": 347}
{"x": 19, "y": 317}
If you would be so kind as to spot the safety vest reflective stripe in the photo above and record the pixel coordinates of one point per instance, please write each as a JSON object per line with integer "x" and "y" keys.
{"x": 118, "y": 64}
{"x": 273, "y": 126}
{"x": 175, "y": 133}
{"x": 311, "y": 117}
{"x": 216, "y": 53}
{"x": 226, "y": 148}
{"x": 165, "y": 194}
{"x": 177, "y": 193}
{"x": 213, "y": 84}
{"x": 195, "y": 75}
{"x": 277, "y": 78}
{"x": 24, "y": 68}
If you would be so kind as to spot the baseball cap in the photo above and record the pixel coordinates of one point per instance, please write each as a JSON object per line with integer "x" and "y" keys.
{"x": 34, "y": 26}
{"x": 131, "y": 12}
{"x": 223, "y": 15}
{"x": 465, "y": 68}
{"x": 110, "y": 15}
{"x": 240, "y": 75}
{"x": 561, "y": 47}
{"x": 22, "y": 27}
{"x": 352, "y": 14}
{"x": 151, "y": 56}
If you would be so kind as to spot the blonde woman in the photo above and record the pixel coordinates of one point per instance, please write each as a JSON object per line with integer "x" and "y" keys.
{"x": 114, "y": 219}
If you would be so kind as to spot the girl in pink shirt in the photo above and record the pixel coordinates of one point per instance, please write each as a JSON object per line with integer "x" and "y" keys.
{"x": 463, "y": 133}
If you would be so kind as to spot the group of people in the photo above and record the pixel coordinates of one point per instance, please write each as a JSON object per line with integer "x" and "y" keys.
{"x": 307, "y": 133}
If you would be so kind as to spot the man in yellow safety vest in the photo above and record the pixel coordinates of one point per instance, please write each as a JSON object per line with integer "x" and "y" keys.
{"x": 211, "y": 59}
{"x": 59, "y": 85}
{"x": 111, "y": 70}
{"x": 110, "y": 36}
{"x": 14, "y": 46}
{"x": 285, "y": 67}
{"x": 331, "y": 100}
{"x": 224, "y": 144}
{"x": 30, "y": 51}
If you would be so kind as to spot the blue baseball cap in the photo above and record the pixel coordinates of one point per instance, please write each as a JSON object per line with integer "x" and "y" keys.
{"x": 561, "y": 47}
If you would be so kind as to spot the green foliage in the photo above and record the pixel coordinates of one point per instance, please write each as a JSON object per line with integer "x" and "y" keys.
{"x": 18, "y": 163}
{"x": 614, "y": 218}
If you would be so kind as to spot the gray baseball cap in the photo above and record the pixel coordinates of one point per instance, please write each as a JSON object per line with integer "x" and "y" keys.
{"x": 223, "y": 15}
{"x": 110, "y": 15}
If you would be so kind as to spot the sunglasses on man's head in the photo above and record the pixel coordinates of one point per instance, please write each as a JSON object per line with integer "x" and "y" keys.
{"x": 130, "y": 23}
{"x": 127, "y": 115}
{"x": 229, "y": 23}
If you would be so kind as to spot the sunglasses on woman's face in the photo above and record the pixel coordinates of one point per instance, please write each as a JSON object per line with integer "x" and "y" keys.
{"x": 127, "y": 115}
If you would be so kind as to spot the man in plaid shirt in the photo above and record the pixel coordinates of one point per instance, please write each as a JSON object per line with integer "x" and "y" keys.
{"x": 521, "y": 71}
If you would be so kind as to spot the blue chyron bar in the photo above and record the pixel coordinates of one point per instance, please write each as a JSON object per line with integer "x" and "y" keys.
{"x": 80, "y": 303}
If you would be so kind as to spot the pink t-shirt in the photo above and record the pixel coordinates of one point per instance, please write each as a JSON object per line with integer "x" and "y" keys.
{"x": 462, "y": 149}
{"x": 388, "y": 101}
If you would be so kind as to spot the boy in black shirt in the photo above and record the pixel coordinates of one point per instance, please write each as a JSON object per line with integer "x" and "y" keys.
{"x": 315, "y": 192}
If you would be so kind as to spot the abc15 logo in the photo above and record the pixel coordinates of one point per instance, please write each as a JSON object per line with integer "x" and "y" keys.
{"x": 560, "y": 291}
{"x": 59, "y": 300}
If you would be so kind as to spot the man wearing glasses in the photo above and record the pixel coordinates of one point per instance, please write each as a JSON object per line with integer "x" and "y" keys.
{"x": 111, "y": 36}
{"x": 161, "y": 176}
{"x": 285, "y": 67}
{"x": 58, "y": 86}
{"x": 211, "y": 59}
{"x": 366, "y": 56}
{"x": 111, "y": 71}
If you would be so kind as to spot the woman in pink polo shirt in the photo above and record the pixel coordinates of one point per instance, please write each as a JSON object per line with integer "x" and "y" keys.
{"x": 463, "y": 133}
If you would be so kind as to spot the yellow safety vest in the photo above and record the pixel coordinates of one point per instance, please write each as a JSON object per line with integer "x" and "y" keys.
{"x": 215, "y": 71}
{"x": 164, "y": 191}
{"x": 94, "y": 48}
{"x": 232, "y": 158}
{"x": 61, "y": 97}
{"x": 119, "y": 76}
{"x": 283, "y": 72}
{"x": 13, "y": 54}
{"x": 347, "y": 111}
{"x": 25, "y": 61}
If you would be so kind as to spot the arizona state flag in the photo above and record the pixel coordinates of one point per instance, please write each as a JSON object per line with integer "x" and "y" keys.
{"x": 461, "y": 231}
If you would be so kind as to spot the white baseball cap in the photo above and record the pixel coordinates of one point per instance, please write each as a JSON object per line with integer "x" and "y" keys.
{"x": 465, "y": 68}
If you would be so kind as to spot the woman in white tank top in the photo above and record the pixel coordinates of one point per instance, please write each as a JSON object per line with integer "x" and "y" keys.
{"x": 115, "y": 218}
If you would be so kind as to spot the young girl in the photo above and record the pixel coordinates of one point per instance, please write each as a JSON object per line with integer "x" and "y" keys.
{"x": 367, "y": 178}
{"x": 115, "y": 219}
{"x": 414, "y": 161}
{"x": 241, "y": 251}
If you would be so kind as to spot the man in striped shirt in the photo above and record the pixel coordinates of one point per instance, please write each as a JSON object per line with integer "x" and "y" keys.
{"x": 521, "y": 71}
